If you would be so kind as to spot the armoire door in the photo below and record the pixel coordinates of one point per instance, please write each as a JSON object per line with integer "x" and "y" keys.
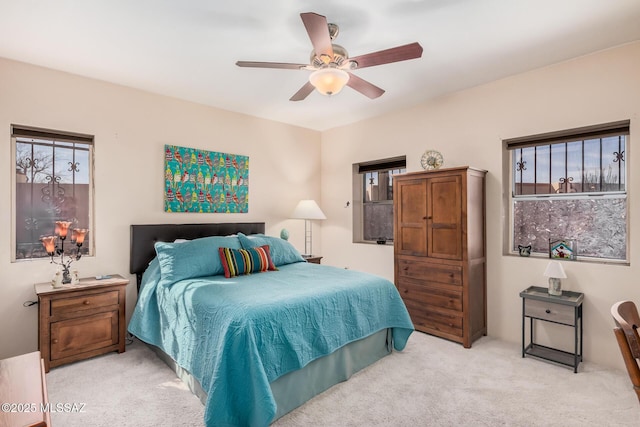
{"x": 444, "y": 217}
{"x": 410, "y": 204}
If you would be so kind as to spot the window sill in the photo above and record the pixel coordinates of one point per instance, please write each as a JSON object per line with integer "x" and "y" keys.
{"x": 371, "y": 242}
{"x": 579, "y": 260}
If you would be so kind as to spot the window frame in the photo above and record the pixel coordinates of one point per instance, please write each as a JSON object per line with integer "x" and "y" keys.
{"x": 577, "y": 134}
{"x": 359, "y": 171}
{"x": 20, "y": 131}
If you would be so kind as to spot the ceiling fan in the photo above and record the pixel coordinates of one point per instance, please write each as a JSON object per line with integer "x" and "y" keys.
{"x": 331, "y": 64}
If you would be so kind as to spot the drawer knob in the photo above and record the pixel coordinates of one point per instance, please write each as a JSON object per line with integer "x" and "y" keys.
{"x": 54, "y": 341}
{"x": 86, "y": 302}
{"x": 547, "y": 311}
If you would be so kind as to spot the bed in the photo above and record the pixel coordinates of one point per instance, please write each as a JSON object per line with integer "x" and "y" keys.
{"x": 256, "y": 346}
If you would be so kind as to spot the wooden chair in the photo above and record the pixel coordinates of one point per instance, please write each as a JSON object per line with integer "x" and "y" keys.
{"x": 625, "y": 314}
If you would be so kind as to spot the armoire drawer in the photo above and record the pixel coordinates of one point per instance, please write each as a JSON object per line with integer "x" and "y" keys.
{"x": 440, "y": 273}
{"x": 427, "y": 319}
{"x": 450, "y": 298}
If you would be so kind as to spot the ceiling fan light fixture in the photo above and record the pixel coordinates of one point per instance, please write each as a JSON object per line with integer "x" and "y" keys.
{"x": 331, "y": 65}
{"x": 329, "y": 81}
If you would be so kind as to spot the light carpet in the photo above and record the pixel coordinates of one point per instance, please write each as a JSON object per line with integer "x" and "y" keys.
{"x": 433, "y": 382}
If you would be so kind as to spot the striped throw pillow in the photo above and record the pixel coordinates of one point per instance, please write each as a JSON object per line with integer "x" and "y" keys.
{"x": 236, "y": 262}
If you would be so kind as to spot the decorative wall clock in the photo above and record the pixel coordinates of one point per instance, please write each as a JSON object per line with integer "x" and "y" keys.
{"x": 431, "y": 159}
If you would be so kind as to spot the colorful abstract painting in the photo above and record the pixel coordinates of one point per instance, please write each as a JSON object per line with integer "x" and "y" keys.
{"x": 205, "y": 181}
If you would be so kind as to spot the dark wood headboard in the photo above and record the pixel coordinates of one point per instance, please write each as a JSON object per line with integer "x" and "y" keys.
{"x": 144, "y": 236}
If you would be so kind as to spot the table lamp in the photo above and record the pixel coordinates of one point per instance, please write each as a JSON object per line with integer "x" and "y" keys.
{"x": 307, "y": 210}
{"x": 555, "y": 272}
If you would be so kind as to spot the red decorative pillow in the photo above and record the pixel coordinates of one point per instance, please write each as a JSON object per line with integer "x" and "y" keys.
{"x": 236, "y": 262}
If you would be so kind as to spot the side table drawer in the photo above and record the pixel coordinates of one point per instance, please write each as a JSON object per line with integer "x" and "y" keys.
{"x": 543, "y": 310}
{"x": 84, "y": 302}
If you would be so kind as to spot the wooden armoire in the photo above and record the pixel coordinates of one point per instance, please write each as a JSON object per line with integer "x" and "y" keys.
{"x": 440, "y": 251}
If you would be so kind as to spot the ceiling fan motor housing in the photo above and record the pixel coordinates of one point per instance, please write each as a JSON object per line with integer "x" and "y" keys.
{"x": 340, "y": 56}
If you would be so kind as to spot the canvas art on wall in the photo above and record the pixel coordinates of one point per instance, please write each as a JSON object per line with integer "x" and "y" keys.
{"x": 205, "y": 181}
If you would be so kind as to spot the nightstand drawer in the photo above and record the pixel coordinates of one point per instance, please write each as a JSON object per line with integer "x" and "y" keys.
{"x": 85, "y": 302}
{"x": 544, "y": 310}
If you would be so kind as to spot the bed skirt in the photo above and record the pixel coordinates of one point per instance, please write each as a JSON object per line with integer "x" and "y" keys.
{"x": 295, "y": 388}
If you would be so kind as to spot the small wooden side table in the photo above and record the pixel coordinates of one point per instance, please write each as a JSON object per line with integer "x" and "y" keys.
{"x": 565, "y": 309}
{"x": 76, "y": 322}
{"x": 314, "y": 259}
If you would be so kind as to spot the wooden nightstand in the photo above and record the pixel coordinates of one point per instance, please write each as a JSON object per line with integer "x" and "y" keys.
{"x": 76, "y": 322}
{"x": 314, "y": 259}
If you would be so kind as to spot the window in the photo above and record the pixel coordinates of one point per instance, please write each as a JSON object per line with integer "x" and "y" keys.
{"x": 571, "y": 185}
{"x": 373, "y": 198}
{"x": 53, "y": 182}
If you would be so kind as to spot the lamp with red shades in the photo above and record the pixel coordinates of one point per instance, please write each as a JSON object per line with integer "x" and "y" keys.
{"x": 50, "y": 244}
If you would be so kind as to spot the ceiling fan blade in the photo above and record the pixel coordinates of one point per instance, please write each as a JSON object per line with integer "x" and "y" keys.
{"x": 364, "y": 87}
{"x": 303, "y": 92}
{"x": 395, "y": 54}
{"x": 318, "y": 31}
{"x": 283, "y": 65}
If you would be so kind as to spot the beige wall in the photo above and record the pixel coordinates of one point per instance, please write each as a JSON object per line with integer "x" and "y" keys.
{"x": 467, "y": 127}
{"x": 131, "y": 128}
{"x": 286, "y": 164}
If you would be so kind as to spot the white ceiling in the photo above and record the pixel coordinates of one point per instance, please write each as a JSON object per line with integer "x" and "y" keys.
{"x": 188, "y": 49}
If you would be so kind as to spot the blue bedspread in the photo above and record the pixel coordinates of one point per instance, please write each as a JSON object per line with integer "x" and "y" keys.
{"x": 237, "y": 335}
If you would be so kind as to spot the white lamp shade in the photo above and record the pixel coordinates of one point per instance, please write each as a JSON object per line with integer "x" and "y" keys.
{"x": 308, "y": 209}
{"x": 329, "y": 81}
{"x": 554, "y": 269}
